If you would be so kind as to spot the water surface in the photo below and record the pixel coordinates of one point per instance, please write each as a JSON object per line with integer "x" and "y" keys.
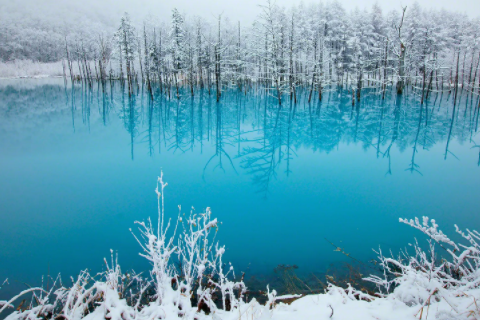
{"x": 78, "y": 167}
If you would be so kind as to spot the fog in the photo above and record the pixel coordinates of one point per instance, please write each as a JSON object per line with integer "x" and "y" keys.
{"x": 244, "y": 10}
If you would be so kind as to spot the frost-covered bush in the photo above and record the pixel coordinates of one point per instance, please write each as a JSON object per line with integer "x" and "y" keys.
{"x": 183, "y": 269}
{"x": 445, "y": 278}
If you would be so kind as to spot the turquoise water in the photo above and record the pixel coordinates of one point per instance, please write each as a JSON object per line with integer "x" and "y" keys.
{"x": 78, "y": 167}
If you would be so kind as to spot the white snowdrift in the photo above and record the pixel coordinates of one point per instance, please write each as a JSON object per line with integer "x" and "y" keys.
{"x": 187, "y": 263}
{"x": 30, "y": 69}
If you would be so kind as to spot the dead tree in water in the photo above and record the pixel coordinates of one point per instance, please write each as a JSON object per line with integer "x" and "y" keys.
{"x": 401, "y": 56}
{"x": 320, "y": 63}
{"x": 217, "y": 62}
{"x": 314, "y": 73}
{"x": 385, "y": 79}
{"x": 69, "y": 61}
{"x": 105, "y": 52}
{"x": 293, "y": 92}
{"x": 199, "y": 56}
{"x": 147, "y": 62}
{"x": 456, "y": 81}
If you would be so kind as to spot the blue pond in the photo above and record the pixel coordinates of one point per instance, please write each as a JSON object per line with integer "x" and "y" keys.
{"x": 79, "y": 166}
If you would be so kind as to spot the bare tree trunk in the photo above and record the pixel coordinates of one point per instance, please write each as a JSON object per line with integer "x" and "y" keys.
{"x": 424, "y": 78}
{"x": 217, "y": 62}
{"x": 401, "y": 66}
{"x": 475, "y": 73}
{"x": 429, "y": 88}
{"x": 359, "y": 83}
{"x": 314, "y": 67}
{"x": 320, "y": 64}
{"x": 456, "y": 80}
{"x": 199, "y": 57}
{"x": 401, "y": 70}
{"x": 64, "y": 73}
{"x": 147, "y": 62}
{"x": 385, "y": 80}
{"x": 121, "y": 63}
{"x": 140, "y": 60}
{"x": 69, "y": 62}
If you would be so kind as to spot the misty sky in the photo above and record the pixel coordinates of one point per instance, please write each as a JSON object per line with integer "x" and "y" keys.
{"x": 243, "y": 10}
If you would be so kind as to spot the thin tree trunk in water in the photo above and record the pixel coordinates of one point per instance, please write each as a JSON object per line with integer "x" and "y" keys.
{"x": 385, "y": 71}
{"x": 217, "y": 61}
{"x": 279, "y": 95}
{"x": 102, "y": 73}
{"x": 456, "y": 80}
{"x": 84, "y": 61}
{"x": 429, "y": 88}
{"x": 199, "y": 55}
{"x": 239, "y": 77}
{"x": 94, "y": 63}
{"x": 359, "y": 84}
{"x": 292, "y": 85}
{"x": 479, "y": 83}
{"x": 70, "y": 63}
{"x": 159, "y": 58}
{"x": 313, "y": 83}
{"x": 217, "y": 72}
{"x": 424, "y": 80}
{"x": 147, "y": 63}
{"x": 320, "y": 63}
{"x": 451, "y": 71}
{"x": 471, "y": 67}
{"x": 64, "y": 74}
{"x": 121, "y": 64}
{"x": 79, "y": 68}
{"x": 401, "y": 66}
{"x": 315, "y": 41}
{"x": 475, "y": 73}
{"x": 401, "y": 70}
{"x": 176, "y": 84}
{"x": 140, "y": 61}
{"x": 191, "y": 70}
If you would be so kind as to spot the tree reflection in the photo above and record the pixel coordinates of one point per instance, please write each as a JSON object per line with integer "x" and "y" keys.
{"x": 253, "y": 133}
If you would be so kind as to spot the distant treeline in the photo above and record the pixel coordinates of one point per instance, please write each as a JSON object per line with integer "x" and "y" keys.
{"x": 310, "y": 46}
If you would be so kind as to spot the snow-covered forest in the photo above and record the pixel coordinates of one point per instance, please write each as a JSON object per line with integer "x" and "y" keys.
{"x": 312, "y": 46}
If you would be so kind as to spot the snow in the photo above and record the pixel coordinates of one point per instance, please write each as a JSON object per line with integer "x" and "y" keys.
{"x": 30, "y": 69}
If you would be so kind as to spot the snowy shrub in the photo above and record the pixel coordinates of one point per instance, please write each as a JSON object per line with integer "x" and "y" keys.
{"x": 168, "y": 291}
{"x": 448, "y": 280}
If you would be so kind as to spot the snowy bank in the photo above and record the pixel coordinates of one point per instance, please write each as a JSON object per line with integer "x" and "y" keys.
{"x": 189, "y": 280}
{"x": 30, "y": 69}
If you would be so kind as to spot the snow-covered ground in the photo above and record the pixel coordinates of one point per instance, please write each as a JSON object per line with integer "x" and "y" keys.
{"x": 30, "y": 69}
{"x": 186, "y": 262}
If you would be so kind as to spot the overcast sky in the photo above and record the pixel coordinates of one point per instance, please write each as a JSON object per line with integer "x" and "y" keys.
{"x": 246, "y": 10}
{"x": 243, "y": 10}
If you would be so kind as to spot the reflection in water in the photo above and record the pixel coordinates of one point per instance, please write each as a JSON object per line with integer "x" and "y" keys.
{"x": 258, "y": 132}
